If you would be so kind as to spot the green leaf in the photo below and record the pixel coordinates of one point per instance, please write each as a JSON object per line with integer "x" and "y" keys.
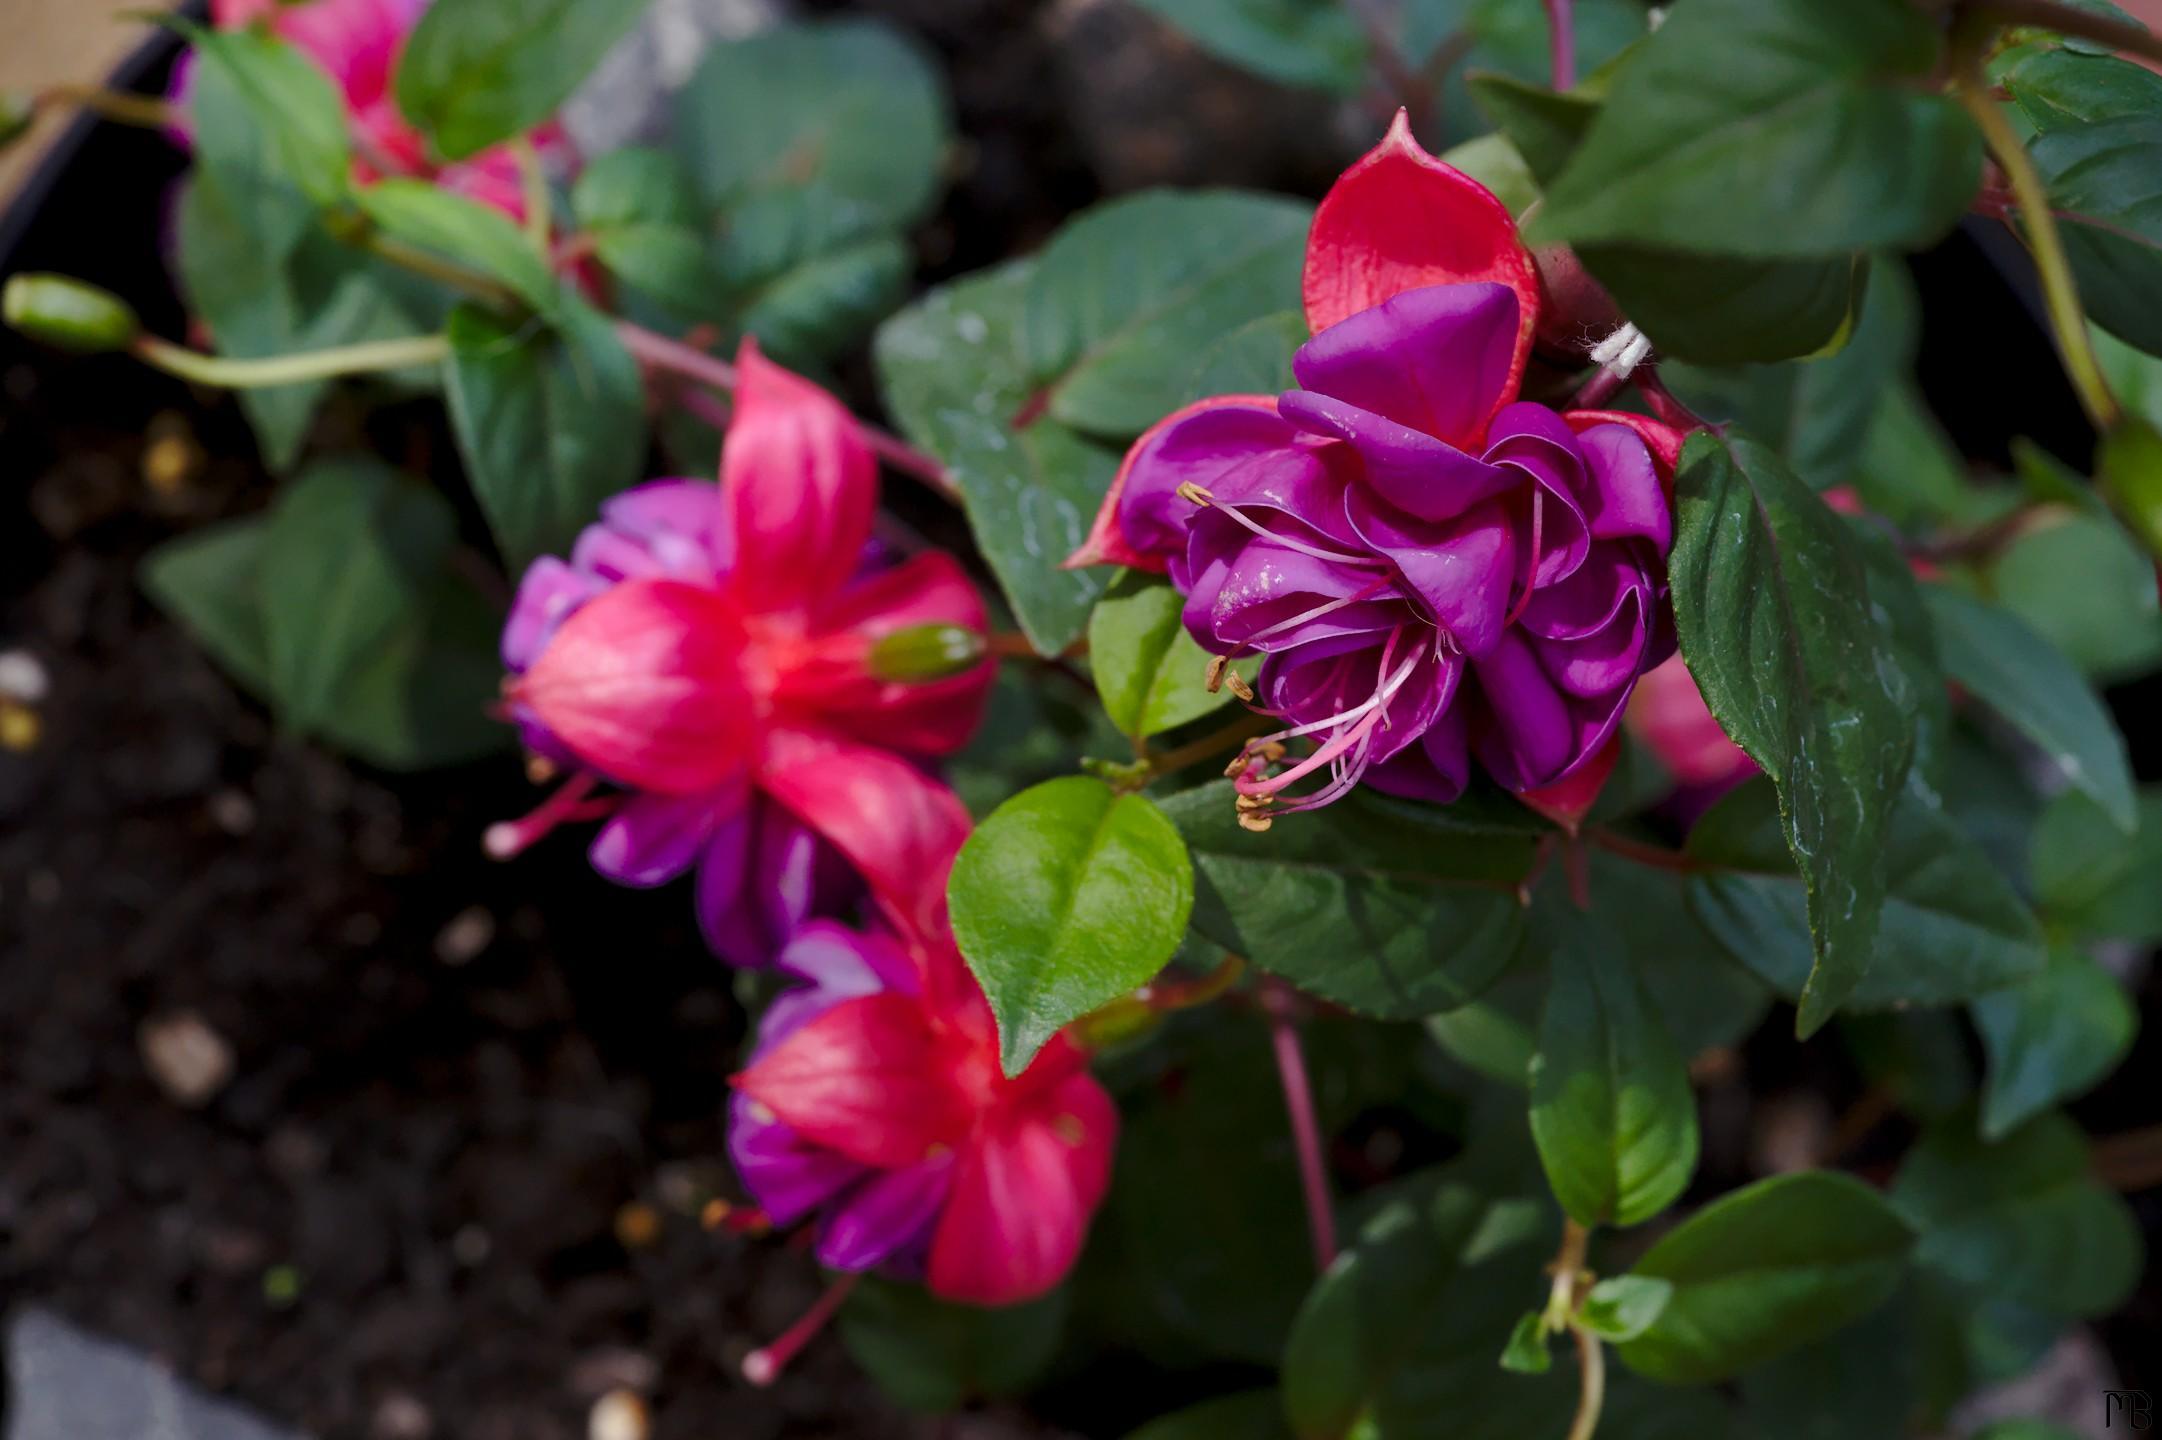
{"x": 348, "y": 548}
{"x": 1623, "y": 1307}
{"x": 466, "y": 231}
{"x": 1909, "y": 471}
{"x": 2028, "y": 682}
{"x": 1726, "y": 309}
{"x": 1545, "y": 126}
{"x": 1149, "y": 672}
{"x": 1388, "y": 908}
{"x": 2088, "y": 880}
{"x": 1772, "y": 605}
{"x": 1820, "y": 137}
{"x": 1764, "y": 1269}
{"x": 550, "y": 422}
{"x": 2110, "y": 623}
{"x": 1815, "y": 1392}
{"x": 1312, "y": 43}
{"x": 1611, "y": 1108}
{"x": 933, "y": 1356}
{"x": 2022, "y": 1219}
{"x": 207, "y": 580}
{"x": 647, "y": 224}
{"x": 849, "y": 111}
{"x": 1527, "y": 1353}
{"x": 2057, "y": 88}
{"x": 1124, "y": 297}
{"x": 1065, "y": 899}
{"x": 2101, "y": 180}
{"x": 297, "y": 110}
{"x": 2051, "y": 1039}
{"x": 818, "y": 307}
{"x": 954, "y": 377}
{"x": 1249, "y": 1415}
{"x": 475, "y": 72}
{"x": 1254, "y": 359}
{"x": 1952, "y": 927}
{"x": 1917, "y": 1057}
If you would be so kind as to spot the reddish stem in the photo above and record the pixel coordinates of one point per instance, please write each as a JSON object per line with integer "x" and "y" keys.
{"x": 1603, "y": 383}
{"x": 1650, "y": 855}
{"x": 1305, "y": 1129}
{"x": 764, "y": 1365}
{"x": 1561, "y": 42}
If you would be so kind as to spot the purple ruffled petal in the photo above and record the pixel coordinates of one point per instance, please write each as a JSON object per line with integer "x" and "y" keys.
{"x": 651, "y": 839}
{"x": 1240, "y": 454}
{"x": 1625, "y": 497}
{"x": 889, "y": 1213}
{"x": 1409, "y": 469}
{"x": 1532, "y": 738}
{"x": 1435, "y": 359}
{"x": 1249, "y": 600}
{"x": 787, "y": 1175}
{"x": 1462, "y": 571}
{"x": 547, "y": 593}
{"x": 1436, "y": 769}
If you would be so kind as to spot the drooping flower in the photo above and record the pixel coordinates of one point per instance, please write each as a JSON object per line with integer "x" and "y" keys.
{"x": 357, "y": 43}
{"x": 1431, "y": 567}
{"x": 874, "y": 1105}
{"x": 1669, "y": 716}
{"x": 709, "y": 650}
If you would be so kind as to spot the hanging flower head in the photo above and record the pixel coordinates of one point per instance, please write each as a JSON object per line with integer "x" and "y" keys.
{"x": 713, "y": 652}
{"x": 1432, "y": 568}
{"x": 874, "y": 1104}
{"x": 357, "y": 44}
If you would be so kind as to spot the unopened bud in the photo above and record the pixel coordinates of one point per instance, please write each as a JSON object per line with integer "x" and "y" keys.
{"x": 61, "y": 310}
{"x": 919, "y": 653}
{"x": 16, "y": 113}
{"x": 2131, "y": 473}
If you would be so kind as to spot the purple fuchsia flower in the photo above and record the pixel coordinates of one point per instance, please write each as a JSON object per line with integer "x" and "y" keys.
{"x": 1432, "y": 568}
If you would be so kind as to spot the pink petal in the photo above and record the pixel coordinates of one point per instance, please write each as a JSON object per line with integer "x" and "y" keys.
{"x": 798, "y": 485}
{"x": 866, "y": 1079}
{"x": 1669, "y": 715}
{"x": 645, "y": 684}
{"x": 1023, "y": 1196}
{"x": 1165, "y": 462}
{"x": 1567, "y": 801}
{"x": 1399, "y": 219}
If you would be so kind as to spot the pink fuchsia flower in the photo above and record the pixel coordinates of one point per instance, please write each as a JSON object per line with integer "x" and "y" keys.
{"x": 874, "y": 1107}
{"x": 357, "y": 44}
{"x": 1431, "y": 567}
{"x": 709, "y": 650}
{"x": 1668, "y": 715}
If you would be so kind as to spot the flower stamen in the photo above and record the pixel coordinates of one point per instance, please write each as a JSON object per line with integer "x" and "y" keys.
{"x": 507, "y": 838}
{"x": 1194, "y": 494}
{"x": 763, "y": 1366}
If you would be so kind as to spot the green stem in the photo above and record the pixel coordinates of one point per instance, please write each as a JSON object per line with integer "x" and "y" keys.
{"x": 235, "y": 374}
{"x": 534, "y": 182}
{"x": 1591, "y": 1388}
{"x": 434, "y": 267}
{"x": 114, "y": 105}
{"x": 2060, "y": 292}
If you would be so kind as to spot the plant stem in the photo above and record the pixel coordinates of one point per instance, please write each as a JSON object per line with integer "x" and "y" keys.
{"x": 236, "y": 374}
{"x": 2060, "y": 292}
{"x": 1305, "y": 1130}
{"x": 1652, "y": 855}
{"x": 1567, "y": 1266}
{"x": 2086, "y": 24}
{"x": 533, "y": 183}
{"x": 1591, "y": 1386}
{"x": 1170, "y": 762}
{"x": 1561, "y": 42}
{"x": 1597, "y": 390}
{"x": 113, "y": 105}
{"x": 434, "y": 267}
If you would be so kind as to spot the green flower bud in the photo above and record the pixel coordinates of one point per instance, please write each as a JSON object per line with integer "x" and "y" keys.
{"x": 920, "y": 653}
{"x": 2131, "y": 473}
{"x": 61, "y": 310}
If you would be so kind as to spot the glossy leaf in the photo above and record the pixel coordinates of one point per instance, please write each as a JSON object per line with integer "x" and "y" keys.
{"x": 475, "y": 72}
{"x": 1772, "y": 606}
{"x": 2057, "y": 88}
{"x": 1391, "y": 909}
{"x": 1824, "y": 94}
{"x": 1149, "y": 672}
{"x": 647, "y": 223}
{"x": 550, "y": 424}
{"x": 2110, "y": 623}
{"x": 296, "y": 109}
{"x": 2101, "y": 176}
{"x": 1067, "y": 897}
{"x": 2051, "y": 1039}
{"x": 934, "y": 1356}
{"x": 1611, "y": 1108}
{"x": 1764, "y": 1269}
{"x": 464, "y": 231}
{"x": 1254, "y": 359}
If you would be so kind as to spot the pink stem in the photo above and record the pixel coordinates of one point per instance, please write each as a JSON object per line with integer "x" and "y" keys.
{"x": 1603, "y": 383}
{"x": 1561, "y": 42}
{"x": 1305, "y": 1130}
{"x": 662, "y": 353}
{"x": 764, "y": 1365}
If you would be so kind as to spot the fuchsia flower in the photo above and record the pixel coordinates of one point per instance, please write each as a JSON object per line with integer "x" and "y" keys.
{"x": 1669, "y": 716}
{"x": 357, "y": 44}
{"x": 708, "y": 650}
{"x": 874, "y": 1102}
{"x": 1431, "y": 567}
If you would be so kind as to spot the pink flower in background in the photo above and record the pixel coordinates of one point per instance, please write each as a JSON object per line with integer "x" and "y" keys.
{"x": 1669, "y": 716}
{"x": 709, "y": 651}
{"x": 357, "y": 43}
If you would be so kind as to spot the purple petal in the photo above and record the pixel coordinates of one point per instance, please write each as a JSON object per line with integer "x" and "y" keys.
{"x": 1411, "y": 470}
{"x": 1625, "y": 497}
{"x": 1317, "y": 681}
{"x": 1435, "y": 359}
{"x": 796, "y": 874}
{"x": 845, "y": 964}
{"x": 1461, "y": 570}
{"x": 1436, "y": 769}
{"x": 1531, "y": 738}
{"x": 547, "y": 593}
{"x": 1235, "y": 604}
{"x": 651, "y": 839}
{"x": 787, "y": 1175}
{"x": 887, "y": 1213}
{"x": 727, "y": 914}
{"x": 1241, "y": 454}
{"x": 1603, "y": 661}
{"x": 661, "y": 528}
{"x": 1585, "y": 602}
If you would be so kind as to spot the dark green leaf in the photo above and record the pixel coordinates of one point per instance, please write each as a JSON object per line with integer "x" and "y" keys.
{"x": 297, "y": 110}
{"x": 1952, "y": 927}
{"x": 1771, "y": 601}
{"x": 426, "y": 697}
{"x": 1124, "y": 297}
{"x": 1314, "y": 43}
{"x": 1611, "y": 1108}
{"x": 1527, "y": 1353}
{"x": 1545, "y": 127}
{"x": 1254, "y": 359}
{"x": 465, "y": 231}
{"x": 1909, "y": 472}
{"x": 934, "y": 1356}
{"x": 1065, "y": 899}
{"x": 1917, "y": 1057}
{"x": 850, "y": 108}
{"x": 2027, "y": 681}
{"x": 1816, "y": 1392}
{"x": 2022, "y": 1220}
{"x": 550, "y": 422}
{"x": 1149, "y": 672}
{"x": 818, "y": 307}
{"x": 2088, "y": 880}
{"x": 2057, "y": 88}
{"x": 647, "y": 224}
{"x": 1818, "y": 138}
{"x": 2051, "y": 1039}
{"x": 2110, "y": 623}
{"x": 207, "y": 580}
{"x": 1250, "y": 1415}
{"x": 1725, "y": 309}
{"x": 2101, "y": 178}
{"x": 1624, "y": 1306}
{"x": 1765, "y": 1269}
{"x": 475, "y": 72}
{"x": 954, "y": 376}
{"x": 1389, "y": 908}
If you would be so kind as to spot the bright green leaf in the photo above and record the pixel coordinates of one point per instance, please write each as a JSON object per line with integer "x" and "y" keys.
{"x": 295, "y": 107}
{"x": 1150, "y": 674}
{"x": 1527, "y": 1353}
{"x": 1623, "y": 1307}
{"x": 466, "y": 231}
{"x": 476, "y": 72}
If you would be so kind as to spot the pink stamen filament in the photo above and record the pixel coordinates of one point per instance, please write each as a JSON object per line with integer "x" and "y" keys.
{"x": 764, "y": 1365}
{"x": 1354, "y": 741}
{"x": 509, "y": 837}
{"x": 1199, "y": 496}
{"x": 1380, "y": 582}
{"x": 1531, "y": 576}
